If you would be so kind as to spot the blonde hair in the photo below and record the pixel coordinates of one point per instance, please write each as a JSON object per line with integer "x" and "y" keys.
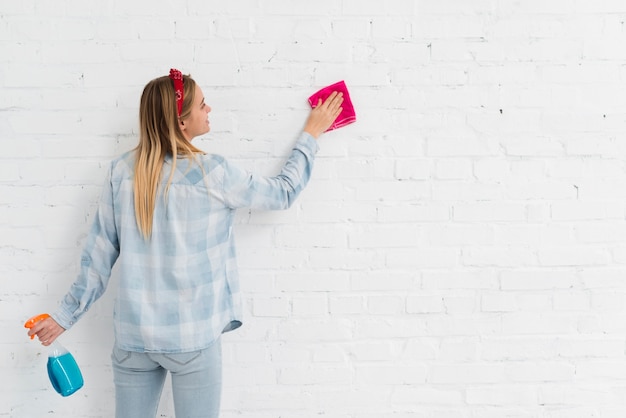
{"x": 159, "y": 135}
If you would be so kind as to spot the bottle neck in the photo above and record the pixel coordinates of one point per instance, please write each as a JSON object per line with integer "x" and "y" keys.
{"x": 56, "y": 349}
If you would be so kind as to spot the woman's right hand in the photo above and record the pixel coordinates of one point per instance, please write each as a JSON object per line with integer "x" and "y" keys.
{"x": 324, "y": 114}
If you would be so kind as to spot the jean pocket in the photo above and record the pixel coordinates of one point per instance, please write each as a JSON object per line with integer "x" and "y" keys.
{"x": 120, "y": 356}
{"x": 183, "y": 358}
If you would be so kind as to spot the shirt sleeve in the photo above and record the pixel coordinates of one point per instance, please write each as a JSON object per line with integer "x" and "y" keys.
{"x": 244, "y": 189}
{"x": 96, "y": 262}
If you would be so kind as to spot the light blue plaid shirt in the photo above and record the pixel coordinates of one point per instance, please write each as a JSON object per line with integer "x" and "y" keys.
{"x": 179, "y": 290}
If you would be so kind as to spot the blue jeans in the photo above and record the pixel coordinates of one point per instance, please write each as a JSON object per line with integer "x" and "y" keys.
{"x": 196, "y": 382}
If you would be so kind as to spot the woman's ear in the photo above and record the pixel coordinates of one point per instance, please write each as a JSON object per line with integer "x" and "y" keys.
{"x": 181, "y": 124}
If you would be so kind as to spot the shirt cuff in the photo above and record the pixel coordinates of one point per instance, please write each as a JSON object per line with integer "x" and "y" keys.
{"x": 64, "y": 319}
{"x": 307, "y": 144}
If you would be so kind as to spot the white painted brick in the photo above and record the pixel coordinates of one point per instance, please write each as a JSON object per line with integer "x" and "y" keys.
{"x": 329, "y": 353}
{"x": 388, "y": 236}
{"x": 459, "y": 349}
{"x": 573, "y": 256}
{"x": 537, "y": 323}
{"x": 420, "y": 349}
{"x": 273, "y": 307}
{"x": 425, "y": 395}
{"x": 601, "y": 190}
{"x": 460, "y": 304}
{"x": 315, "y": 330}
{"x": 499, "y": 302}
{"x": 402, "y": 8}
{"x": 12, "y": 9}
{"x": 391, "y": 374}
{"x": 460, "y": 235}
{"x": 492, "y": 211}
{"x": 379, "y": 281}
{"x": 467, "y": 373}
{"x": 529, "y": 234}
{"x": 259, "y": 399}
{"x": 608, "y": 278}
{"x": 601, "y": 369}
{"x": 517, "y": 348}
{"x": 281, "y": 260}
{"x": 585, "y": 210}
{"x": 464, "y": 191}
{"x": 338, "y": 212}
{"x": 423, "y": 258}
{"x": 9, "y": 172}
{"x": 459, "y": 279}
{"x": 509, "y": 395}
{"x": 385, "y": 305}
{"x": 312, "y": 281}
{"x": 336, "y": 398}
{"x": 464, "y": 325}
{"x": 424, "y": 304}
{"x": 526, "y": 372}
{"x": 354, "y": 259}
{"x": 535, "y": 302}
{"x": 608, "y": 301}
{"x": 534, "y": 279}
{"x": 538, "y": 213}
{"x": 289, "y": 353}
{"x": 389, "y": 328}
{"x": 599, "y": 232}
{"x": 413, "y": 170}
{"x": 282, "y": 7}
{"x": 311, "y": 236}
{"x": 17, "y": 195}
{"x": 254, "y": 376}
{"x": 346, "y": 305}
{"x": 310, "y": 305}
{"x": 244, "y": 353}
{"x": 393, "y": 191}
{"x": 33, "y": 172}
{"x": 378, "y": 351}
{"x": 350, "y": 28}
{"x": 588, "y": 347}
{"x": 499, "y": 256}
{"x": 453, "y": 169}
{"x": 413, "y": 212}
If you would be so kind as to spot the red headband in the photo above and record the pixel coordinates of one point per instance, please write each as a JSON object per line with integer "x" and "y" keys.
{"x": 177, "y": 77}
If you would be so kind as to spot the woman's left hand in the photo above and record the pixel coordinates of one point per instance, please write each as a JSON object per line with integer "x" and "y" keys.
{"x": 47, "y": 330}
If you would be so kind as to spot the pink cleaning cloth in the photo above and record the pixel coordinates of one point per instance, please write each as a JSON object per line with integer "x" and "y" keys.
{"x": 347, "y": 115}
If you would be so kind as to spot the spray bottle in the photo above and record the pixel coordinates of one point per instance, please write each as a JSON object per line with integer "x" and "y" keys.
{"x": 63, "y": 371}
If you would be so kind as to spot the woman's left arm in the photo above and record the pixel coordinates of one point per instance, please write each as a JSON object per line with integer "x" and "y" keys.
{"x": 244, "y": 189}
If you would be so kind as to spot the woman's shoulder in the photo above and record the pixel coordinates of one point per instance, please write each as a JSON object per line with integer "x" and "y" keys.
{"x": 214, "y": 158}
{"x": 126, "y": 159}
{"x": 212, "y": 161}
{"x": 122, "y": 166}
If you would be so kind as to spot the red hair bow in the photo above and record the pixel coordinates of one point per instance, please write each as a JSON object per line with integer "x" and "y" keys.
{"x": 177, "y": 77}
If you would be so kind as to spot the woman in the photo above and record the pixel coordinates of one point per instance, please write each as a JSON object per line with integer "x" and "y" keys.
{"x": 165, "y": 216}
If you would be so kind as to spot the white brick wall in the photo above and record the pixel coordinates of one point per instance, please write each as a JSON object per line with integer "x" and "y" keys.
{"x": 459, "y": 253}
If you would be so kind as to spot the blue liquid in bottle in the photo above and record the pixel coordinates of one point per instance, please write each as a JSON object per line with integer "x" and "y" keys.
{"x": 63, "y": 371}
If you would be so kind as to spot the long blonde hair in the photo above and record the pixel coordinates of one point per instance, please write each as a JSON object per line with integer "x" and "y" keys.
{"x": 159, "y": 135}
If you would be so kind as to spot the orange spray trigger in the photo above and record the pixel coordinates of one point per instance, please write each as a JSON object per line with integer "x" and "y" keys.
{"x": 31, "y": 322}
